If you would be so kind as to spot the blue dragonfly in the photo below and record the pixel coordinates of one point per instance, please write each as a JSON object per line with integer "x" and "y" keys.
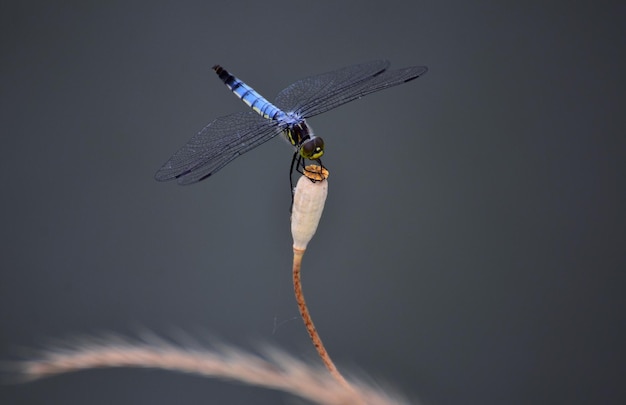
{"x": 228, "y": 137}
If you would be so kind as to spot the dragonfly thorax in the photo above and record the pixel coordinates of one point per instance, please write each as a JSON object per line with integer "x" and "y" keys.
{"x": 301, "y": 136}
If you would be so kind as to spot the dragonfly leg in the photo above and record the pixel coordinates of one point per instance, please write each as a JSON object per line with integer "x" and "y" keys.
{"x": 301, "y": 165}
{"x": 295, "y": 162}
{"x": 319, "y": 161}
{"x": 310, "y": 177}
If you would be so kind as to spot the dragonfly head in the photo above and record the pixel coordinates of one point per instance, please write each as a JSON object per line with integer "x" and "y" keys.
{"x": 312, "y": 148}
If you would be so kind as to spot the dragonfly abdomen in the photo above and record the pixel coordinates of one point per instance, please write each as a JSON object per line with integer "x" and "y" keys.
{"x": 248, "y": 95}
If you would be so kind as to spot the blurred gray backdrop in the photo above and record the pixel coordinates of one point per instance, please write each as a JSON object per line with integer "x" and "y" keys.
{"x": 472, "y": 246}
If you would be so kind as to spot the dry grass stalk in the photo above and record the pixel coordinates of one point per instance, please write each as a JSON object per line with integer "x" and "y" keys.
{"x": 278, "y": 371}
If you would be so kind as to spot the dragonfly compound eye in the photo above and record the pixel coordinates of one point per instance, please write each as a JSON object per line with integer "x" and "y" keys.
{"x": 312, "y": 149}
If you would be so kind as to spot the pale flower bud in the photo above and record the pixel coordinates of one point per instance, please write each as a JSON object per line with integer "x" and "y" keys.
{"x": 308, "y": 204}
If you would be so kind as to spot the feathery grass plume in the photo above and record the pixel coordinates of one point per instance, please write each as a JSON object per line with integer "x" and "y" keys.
{"x": 276, "y": 370}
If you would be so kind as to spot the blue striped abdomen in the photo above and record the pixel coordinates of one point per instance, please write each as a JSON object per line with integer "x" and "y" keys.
{"x": 248, "y": 95}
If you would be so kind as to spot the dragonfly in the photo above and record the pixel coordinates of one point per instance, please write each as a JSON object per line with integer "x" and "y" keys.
{"x": 230, "y": 136}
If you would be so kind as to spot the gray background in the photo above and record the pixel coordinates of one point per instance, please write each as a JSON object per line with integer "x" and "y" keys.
{"x": 472, "y": 247}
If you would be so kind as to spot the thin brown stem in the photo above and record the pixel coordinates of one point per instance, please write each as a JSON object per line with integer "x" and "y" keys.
{"x": 308, "y": 322}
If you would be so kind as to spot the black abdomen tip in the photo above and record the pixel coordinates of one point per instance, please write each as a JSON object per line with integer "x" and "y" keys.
{"x": 223, "y": 74}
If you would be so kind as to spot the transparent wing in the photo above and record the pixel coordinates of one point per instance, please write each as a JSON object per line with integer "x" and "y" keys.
{"x": 305, "y": 92}
{"x": 318, "y": 94}
{"x": 216, "y": 145}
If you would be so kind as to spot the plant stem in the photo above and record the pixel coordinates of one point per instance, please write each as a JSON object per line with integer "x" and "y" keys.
{"x": 308, "y": 322}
